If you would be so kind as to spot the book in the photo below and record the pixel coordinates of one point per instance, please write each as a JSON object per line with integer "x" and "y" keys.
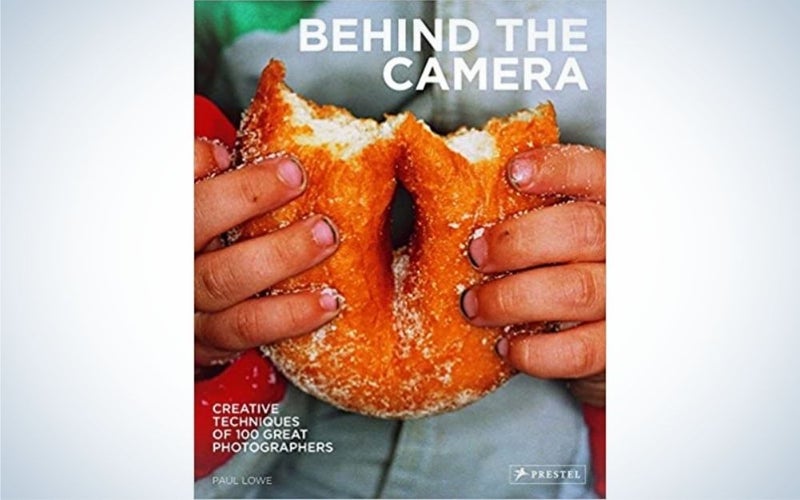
{"x": 453, "y": 65}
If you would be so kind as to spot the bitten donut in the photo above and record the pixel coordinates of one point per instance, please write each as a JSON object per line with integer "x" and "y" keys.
{"x": 400, "y": 347}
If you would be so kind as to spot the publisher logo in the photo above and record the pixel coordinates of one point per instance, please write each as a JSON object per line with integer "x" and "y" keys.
{"x": 546, "y": 474}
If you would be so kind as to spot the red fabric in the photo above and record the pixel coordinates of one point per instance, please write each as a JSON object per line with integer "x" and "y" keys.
{"x": 209, "y": 122}
{"x": 249, "y": 379}
{"x": 596, "y": 422}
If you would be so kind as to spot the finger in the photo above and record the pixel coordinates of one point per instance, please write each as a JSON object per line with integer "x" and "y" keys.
{"x": 214, "y": 244}
{"x": 590, "y": 390}
{"x": 231, "y": 198}
{"x": 563, "y": 233}
{"x": 210, "y": 157}
{"x": 571, "y": 292}
{"x": 230, "y": 275}
{"x": 573, "y": 353}
{"x": 569, "y": 170}
{"x": 262, "y": 321}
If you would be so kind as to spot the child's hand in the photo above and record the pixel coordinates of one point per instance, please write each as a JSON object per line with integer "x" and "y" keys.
{"x": 227, "y": 317}
{"x": 558, "y": 257}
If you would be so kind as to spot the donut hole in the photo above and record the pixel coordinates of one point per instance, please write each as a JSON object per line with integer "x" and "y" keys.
{"x": 401, "y": 217}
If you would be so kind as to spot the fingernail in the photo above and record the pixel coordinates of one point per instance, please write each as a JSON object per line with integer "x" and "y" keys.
{"x": 221, "y": 156}
{"x": 502, "y": 347}
{"x": 290, "y": 173}
{"x": 478, "y": 250}
{"x": 469, "y": 304}
{"x": 329, "y": 299}
{"x": 323, "y": 233}
{"x": 520, "y": 174}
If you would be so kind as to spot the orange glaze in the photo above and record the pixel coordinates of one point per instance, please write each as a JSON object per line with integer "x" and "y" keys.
{"x": 400, "y": 348}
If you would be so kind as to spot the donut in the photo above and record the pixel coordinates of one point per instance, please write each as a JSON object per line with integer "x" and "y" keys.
{"x": 400, "y": 348}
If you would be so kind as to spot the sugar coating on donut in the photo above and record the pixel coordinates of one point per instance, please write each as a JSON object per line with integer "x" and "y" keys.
{"x": 400, "y": 347}
{"x": 413, "y": 339}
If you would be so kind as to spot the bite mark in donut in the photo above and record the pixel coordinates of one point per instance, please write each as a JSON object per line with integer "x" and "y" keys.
{"x": 400, "y": 348}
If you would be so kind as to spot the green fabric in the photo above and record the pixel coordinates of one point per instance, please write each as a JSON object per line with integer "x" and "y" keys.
{"x": 218, "y": 24}
{"x": 229, "y": 20}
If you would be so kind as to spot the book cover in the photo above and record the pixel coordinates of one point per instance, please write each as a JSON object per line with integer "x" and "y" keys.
{"x": 392, "y": 136}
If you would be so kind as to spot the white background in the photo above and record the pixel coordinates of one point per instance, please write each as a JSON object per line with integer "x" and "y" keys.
{"x": 703, "y": 169}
